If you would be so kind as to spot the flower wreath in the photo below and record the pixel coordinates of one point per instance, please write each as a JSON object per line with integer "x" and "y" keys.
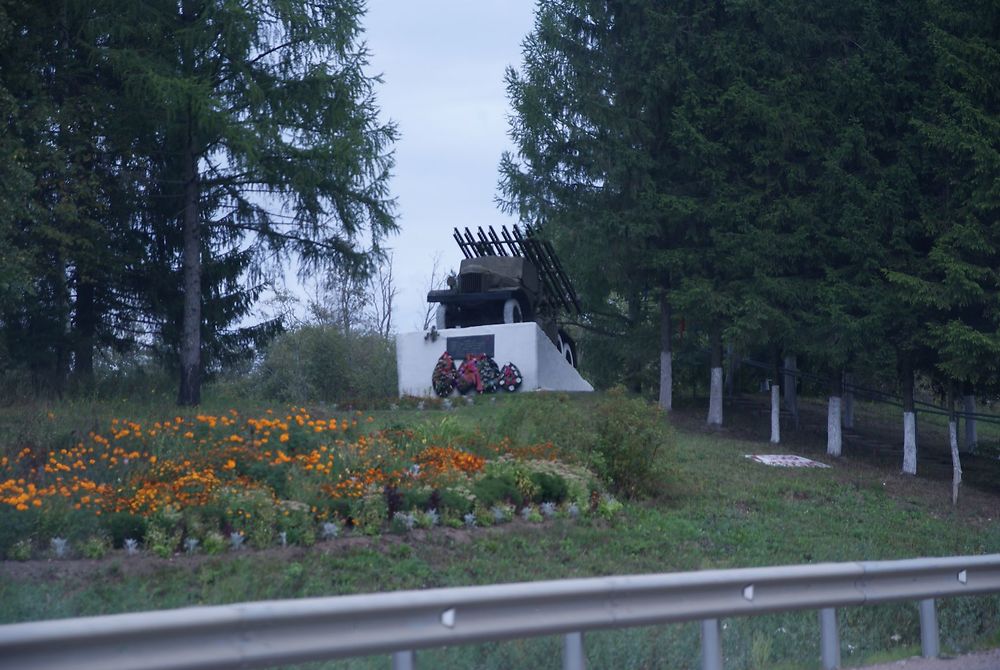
{"x": 444, "y": 376}
{"x": 477, "y": 372}
{"x": 489, "y": 374}
{"x": 510, "y": 377}
{"x": 468, "y": 375}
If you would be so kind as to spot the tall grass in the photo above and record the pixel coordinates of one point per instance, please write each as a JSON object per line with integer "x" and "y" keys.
{"x": 713, "y": 508}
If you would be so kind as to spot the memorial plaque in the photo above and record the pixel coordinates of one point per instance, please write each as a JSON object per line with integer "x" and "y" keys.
{"x": 458, "y": 347}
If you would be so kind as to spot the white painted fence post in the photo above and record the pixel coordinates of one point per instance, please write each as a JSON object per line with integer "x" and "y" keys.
{"x": 910, "y": 443}
{"x": 715, "y": 398}
{"x": 833, "y": 435}
{"x": 775, "y": 414}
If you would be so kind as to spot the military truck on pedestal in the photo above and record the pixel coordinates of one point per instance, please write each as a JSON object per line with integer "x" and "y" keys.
{"x": 512, "y": 277}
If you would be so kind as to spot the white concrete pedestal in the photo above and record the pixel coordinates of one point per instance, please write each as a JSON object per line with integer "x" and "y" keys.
{"x": 523, "y": 344}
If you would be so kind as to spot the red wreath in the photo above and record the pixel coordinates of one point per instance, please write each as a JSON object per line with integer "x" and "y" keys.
{"x": 444, "y": 375}
{"x": 468, "y": 375}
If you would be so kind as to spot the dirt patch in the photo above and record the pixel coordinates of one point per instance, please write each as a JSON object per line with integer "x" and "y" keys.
{"x": 118, "y": 563}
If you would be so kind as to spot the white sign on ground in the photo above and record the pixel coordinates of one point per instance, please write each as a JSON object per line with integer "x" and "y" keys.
{"x": 786, "y": 461}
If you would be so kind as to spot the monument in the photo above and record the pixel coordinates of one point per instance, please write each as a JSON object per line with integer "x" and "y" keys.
{"x": 496, "y": 326}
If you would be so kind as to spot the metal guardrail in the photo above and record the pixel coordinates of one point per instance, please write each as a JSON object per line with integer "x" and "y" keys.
{"x": 264, "y": 634}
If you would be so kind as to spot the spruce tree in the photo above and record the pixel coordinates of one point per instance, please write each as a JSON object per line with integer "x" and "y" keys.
{"x": 263, "y": 135}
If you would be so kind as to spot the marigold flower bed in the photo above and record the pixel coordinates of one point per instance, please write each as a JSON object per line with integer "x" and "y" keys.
{"x": 209, "y": 481}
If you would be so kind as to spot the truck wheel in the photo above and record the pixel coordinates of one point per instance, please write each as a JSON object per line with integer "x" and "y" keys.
{"x": 512, "y": 312}
{"x": 567, "y": 347}
{"x": 439, "y": 317}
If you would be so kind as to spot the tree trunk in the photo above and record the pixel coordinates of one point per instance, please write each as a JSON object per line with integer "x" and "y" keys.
{"x": 666, "y": 356}
{"x": 85, "y": 327}
{"x": 791, "y": 400}
{"x": 63, "y": 346}
{"x": 848, "y": 403}
{"x": 633, "y": 362}
{"x": 731, "y": 375}
{"x": 190, "y": 390}
{"x": 909, "y": 421}
{"x": 833, "y": 436}
{"x": 969, "y": 407}
{"x": 956, "y": 463}
{"x": 715, "y": 389}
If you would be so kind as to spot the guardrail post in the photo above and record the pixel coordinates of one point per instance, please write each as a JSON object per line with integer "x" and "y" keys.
{"x": 711, "y": 645}
{"x": 829, "y": 638}
{"x": 403, "y": 660}
{"x": 929, "y": 643}
{"x": 573, "y": 656}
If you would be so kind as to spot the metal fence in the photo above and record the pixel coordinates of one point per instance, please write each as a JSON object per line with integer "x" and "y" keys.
{"x": 264, "y": 634}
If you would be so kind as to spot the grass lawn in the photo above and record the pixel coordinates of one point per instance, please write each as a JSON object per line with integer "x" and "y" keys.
{"x": 715, "y": 509}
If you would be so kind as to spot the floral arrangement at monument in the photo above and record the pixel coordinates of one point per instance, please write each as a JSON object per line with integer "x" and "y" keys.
{"x": 489, "y": 374}
{"x": 469, "y": 378}
{"x": 444, "y": 376}
{"x": 510, "y": 378}
{"x": 478, "y": 372}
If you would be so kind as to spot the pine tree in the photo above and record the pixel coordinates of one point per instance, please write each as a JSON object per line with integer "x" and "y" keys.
{"x": 59, "y": 108}
{"x": 264, "y": 143}
{"x": 14, "y": 183}
{"x": 612, "y": 158}
{"x": 959, "y": 127}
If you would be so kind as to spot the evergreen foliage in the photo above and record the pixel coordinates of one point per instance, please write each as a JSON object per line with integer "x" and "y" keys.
{"x": 790, "y": 178}
{"x": 164, "y": 160}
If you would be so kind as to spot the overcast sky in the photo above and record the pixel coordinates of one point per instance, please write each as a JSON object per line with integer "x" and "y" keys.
{"x": 443, "y": 65}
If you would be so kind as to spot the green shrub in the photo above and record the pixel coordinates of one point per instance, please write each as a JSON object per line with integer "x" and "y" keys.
{"x": 547, "y": 417}
{"x": 321, "y": 363}
{"x": 161, "y": 541}
{"x": 632, "y": 435}
{"x": 214, "y": 543}
{"x": 370, "y": 511}
{"x": 484, "y": 517}
{"x": 21, "y": 550}
{"x": 496, "y": 489}
{"x": 416, "y": 498}
{"x": 456, "y": 501}
{"x": 251, "y": 512}
{"x": 621, "y": 438}
{"x": 95, "y": 547}
{"x": 551, "y": 488}
{"x": 59, "y": 519}
{"x": 297, "y": 524}
{"x": 17, "y": 527}
{"x": 122, "y": 525}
